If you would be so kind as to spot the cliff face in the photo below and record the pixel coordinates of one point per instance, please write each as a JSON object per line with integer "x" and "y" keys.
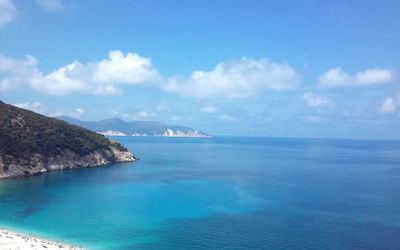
{"x": 32, "y": 144}
{"x": 179, "y": 133}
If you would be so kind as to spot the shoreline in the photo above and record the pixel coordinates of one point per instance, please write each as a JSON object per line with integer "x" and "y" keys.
{"x": 11, "y": 240}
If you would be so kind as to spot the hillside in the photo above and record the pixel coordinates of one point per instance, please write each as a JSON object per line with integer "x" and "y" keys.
{"x": 31, "y": 143}
{"x": 116, "y": 126}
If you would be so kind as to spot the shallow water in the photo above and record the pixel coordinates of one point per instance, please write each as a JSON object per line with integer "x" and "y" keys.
{"x": 220, "y": 193}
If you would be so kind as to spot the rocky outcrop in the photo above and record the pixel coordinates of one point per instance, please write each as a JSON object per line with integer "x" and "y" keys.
{"x": 33, "y": 144}
{"x": 68, "y": 159}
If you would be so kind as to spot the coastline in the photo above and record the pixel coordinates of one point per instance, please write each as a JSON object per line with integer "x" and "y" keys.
{"x": 10, "y": 240}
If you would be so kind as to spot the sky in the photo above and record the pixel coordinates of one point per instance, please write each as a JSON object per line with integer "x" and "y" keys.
{"x": 227, "y": 67}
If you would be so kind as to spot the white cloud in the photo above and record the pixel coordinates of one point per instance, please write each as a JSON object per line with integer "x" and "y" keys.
{"x": 98, "y": 77}
{"x": 14, "y": 73}
{"x": 130, "y": 68}
{"x": 38, "y": 107}
{"x": 33, "y": 106}
{"x": 209, "y": 109}
{"x": 388, "y": 106}
{"x": 108, "y": 89}
{"x": 51, "y": 5}
{"x": 8, "y": 12}
{"x": 236, "y": 79}
{"x": 65, "y": 80}
{"x": 336, "y": 77}
{"x": 76, "y": 113}
{"x": 316, "y": 101}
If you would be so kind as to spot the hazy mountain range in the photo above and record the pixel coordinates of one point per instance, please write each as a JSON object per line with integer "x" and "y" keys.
{"x": 119, "y": 127}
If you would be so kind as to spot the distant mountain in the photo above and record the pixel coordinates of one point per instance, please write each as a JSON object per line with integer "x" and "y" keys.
{"x": 118, "y": 127}
{"x": 31, "y": 143}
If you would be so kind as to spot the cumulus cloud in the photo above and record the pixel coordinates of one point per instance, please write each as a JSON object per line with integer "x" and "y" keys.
{"x": 51, "y": 5}
{"x": 14, "y": 72}
{"x": 130, "y": 68}
{"x": 8, "y": 12}
{"x": 38, "y": 107}
{"x": 209, "y": 109}
{"x": 388, "y": 106}
{"x": 316, "y": 101}
{"x": 236, "y": 79}
{"x": 99, "y": 77}
{"x": 336, "y": 77}
{"x": 64, "y": 80}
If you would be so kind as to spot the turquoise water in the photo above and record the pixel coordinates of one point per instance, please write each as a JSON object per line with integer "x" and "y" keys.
{"x": 220, "y": 193}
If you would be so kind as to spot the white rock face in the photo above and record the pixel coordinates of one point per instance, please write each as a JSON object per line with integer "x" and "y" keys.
{"x": 168, "y": 133}
{"x": 178, "y": 133}
{"x": 112, "y": 133}
{"x": 123, "y": 156}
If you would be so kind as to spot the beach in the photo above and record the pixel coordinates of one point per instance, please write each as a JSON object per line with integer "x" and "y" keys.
{"x": 15, "y": 241}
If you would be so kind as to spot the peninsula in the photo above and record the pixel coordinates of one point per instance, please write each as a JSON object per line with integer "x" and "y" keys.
{"x": 32, "y": 143}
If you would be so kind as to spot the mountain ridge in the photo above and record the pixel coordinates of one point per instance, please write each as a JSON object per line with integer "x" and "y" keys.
{"x": 117, "y": 126}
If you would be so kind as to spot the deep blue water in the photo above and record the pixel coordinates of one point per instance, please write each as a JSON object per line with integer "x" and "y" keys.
{"x": 220, "y": 193}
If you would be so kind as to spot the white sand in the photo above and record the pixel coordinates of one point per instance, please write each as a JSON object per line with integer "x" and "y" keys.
{"x": 13, "y": 241}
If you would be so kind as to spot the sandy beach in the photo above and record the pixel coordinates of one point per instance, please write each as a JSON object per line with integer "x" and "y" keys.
{"x": 15, "y": 241}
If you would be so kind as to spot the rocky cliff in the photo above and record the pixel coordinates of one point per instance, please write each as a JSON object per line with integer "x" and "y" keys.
{"x": 31, "y": 144}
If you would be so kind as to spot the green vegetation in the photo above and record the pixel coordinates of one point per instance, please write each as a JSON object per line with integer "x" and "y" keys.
{"x": 24, "y": 133}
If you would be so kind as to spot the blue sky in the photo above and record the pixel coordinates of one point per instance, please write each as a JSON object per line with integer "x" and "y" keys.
{"x": 262, "y": 68}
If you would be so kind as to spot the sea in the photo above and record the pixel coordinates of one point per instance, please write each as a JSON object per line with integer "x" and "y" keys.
{"x": 219, "y": 193}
